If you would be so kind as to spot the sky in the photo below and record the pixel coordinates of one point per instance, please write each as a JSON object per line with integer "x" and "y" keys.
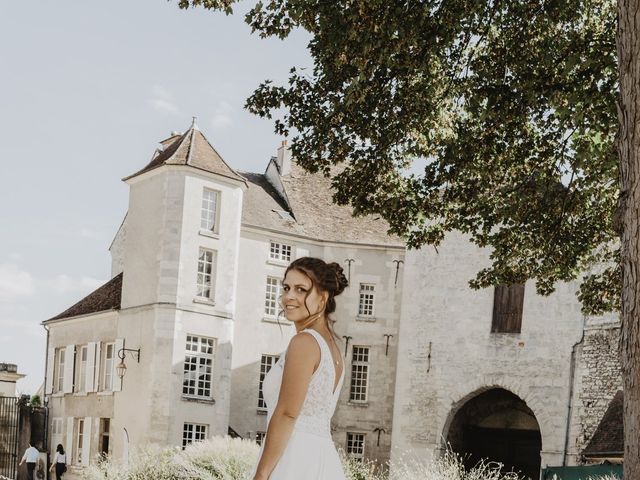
{"x": 87, "y": 90}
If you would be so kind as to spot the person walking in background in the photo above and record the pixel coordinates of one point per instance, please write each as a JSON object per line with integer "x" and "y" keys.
{"x": 31, "y": 456}
{"x": 59, "y": 462}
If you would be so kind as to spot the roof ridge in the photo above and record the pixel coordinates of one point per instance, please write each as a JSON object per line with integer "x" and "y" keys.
{"x": 222, "y": 159}
{"x": 191, "y": 142}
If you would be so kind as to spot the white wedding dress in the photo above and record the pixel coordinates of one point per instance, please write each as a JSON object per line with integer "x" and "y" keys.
{"x": 310, "y": 453}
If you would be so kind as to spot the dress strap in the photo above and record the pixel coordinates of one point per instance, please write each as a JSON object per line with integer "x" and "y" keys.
{"x": 321, "y": 341}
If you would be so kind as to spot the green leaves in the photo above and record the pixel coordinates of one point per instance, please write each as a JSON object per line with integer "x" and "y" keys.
{"x": 512, "y": 103}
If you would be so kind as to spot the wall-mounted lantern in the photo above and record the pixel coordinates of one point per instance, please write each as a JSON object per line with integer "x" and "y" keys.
{"x": 121, "y": 368}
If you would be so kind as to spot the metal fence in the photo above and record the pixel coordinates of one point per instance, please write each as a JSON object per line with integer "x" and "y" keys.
{"x": 9, "y": 429}
{"x": 583, "y": 472}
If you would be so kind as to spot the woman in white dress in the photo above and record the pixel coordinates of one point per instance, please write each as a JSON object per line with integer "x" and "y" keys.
{"x": 301, "y": 390}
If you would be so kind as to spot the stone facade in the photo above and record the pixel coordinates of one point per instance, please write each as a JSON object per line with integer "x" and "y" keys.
{"x": 449, "y": 355}
{"x": 600, "y": 376}
{"x": 8, "y": 378}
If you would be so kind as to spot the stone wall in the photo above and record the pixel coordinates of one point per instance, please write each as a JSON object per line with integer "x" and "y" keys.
{"x": 449, "y": 355}
{"x": 600, "y": 377}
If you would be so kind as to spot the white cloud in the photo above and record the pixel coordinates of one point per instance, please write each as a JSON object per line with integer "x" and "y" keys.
{"x": 66, "y": 284}
{"x": 162, "y": 101}
{"x": 222, "y": 116}
{"x": 15, "y": 282}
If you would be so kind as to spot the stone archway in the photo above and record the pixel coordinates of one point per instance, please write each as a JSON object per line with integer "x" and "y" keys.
{"x": 498, "y": 426}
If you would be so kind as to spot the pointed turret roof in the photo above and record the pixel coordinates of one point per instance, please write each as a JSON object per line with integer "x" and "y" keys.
{"x": 192, "y": 149}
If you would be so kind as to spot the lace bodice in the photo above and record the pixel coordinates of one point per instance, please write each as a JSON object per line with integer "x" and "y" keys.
{"x": 320, "y": 402}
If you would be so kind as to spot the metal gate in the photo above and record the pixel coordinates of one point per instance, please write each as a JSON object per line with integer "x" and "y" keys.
{"x": 9, "y": 428}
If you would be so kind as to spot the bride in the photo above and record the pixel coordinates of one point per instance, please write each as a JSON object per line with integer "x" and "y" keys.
{"x": 301, "y": 390}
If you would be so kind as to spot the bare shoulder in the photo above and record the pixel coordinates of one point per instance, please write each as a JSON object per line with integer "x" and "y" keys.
{"x": 303, "y": 347}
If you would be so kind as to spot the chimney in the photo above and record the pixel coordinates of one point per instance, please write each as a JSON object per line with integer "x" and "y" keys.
{"x": 283, "y": 161}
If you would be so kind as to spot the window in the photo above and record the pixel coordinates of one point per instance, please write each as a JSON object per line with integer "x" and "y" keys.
{"x": 56, "y": 431}
{"x": 105, "y": 426}
{"x": 109, "y": 356}
{"x": 56, "y": 426}
{"x": 59, "y": 374}
{"x": 280, "y": 252}
{"x": 365, "y": 306}
{"x": 266, "y": 362}
{"x": 193, "y": 432}
{"x": 359, "y": 374}
{"x": 205, "y": 273}
{"x": 198, "y": 366}
{"x": 355, "y": 444}
{"x": 260, "y": 437}
{"x": 272, "y": 296}
{"x": 82, "y": 369}
{"x": 79, "y": 440}
{"x": 508, "y": 301}
{"x": 209, "y": 212}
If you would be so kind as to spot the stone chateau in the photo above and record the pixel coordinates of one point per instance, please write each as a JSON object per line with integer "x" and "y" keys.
{"x": 174, "y": 347}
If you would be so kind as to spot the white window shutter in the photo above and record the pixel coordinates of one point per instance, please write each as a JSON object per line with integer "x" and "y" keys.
{"x": 96, "y": 373}
{"x": 89, "y": 373}
{"x": 70, "y": 437}
{"x": 117, "y": 381}
{"x": 51, "y": 358}
{"x": 69, "y": 361}
{"x": 86, "y": 441}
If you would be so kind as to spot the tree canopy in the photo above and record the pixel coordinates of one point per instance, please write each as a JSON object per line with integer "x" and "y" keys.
{"x": 497, "y": 119}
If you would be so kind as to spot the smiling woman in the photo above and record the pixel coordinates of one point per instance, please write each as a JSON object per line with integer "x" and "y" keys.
{"x": 302, "y": 388}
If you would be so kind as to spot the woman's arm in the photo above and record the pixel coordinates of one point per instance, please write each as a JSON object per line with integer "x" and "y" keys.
{"x": 55, "y": 460}
{"x": 303, "y": 357}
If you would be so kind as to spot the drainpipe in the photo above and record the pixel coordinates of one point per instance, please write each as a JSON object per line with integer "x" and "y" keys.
{"x": 45, "y": 400}
{"x": 572, "y": 373}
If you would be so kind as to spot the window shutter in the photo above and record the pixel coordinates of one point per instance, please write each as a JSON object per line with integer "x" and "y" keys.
{"x": 508, "y": 303}
{"x": 69, "y": 446}
{"x": 69, "y": 363}
{"x": 516, "y": 302}
{"x": 86, "y": 441}
{"x": 51, "y": 358}
{"x": 117, "y": 382}
{"x": 96, "y": 372}
{"x": 89, "y": 373}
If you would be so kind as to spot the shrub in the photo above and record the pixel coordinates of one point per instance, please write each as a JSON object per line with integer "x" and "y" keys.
{"x": 225, "y": 458}
{"x": 220, "y": 458}
{"x": 447, "y": 467}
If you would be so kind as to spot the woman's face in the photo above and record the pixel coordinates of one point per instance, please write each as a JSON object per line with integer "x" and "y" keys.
{"x": 295, "y": 287}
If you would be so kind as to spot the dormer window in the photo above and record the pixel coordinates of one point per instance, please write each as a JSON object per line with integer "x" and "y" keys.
{"x": 280, "y": 252}
{"x": 284, "y": 215}
{"x": 209, "y": 213}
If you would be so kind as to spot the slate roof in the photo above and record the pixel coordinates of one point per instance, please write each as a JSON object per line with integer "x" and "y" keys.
{"x": 106, "y": 297}
{"x": 193, "y": 149}
{"x": 608, "y": 439}
{"x": 310, "y": 203}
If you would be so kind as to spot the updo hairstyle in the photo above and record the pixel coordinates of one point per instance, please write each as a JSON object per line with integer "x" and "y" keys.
{"x": 325, "y": 277}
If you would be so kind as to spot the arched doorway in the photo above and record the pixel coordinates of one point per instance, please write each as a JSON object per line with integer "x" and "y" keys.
{"x": 497, "y": 425}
